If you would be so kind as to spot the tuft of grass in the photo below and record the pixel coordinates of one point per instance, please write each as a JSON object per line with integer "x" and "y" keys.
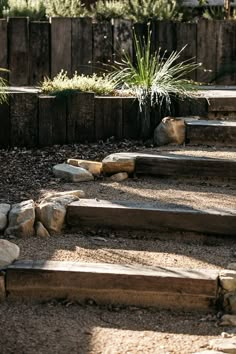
{"x": 105, "y": 10}
{"x": 62, "y": 84}
{"x": 35, "y": 9}
{"x": 3, "y": 85}
{"x": 155, "y": 78}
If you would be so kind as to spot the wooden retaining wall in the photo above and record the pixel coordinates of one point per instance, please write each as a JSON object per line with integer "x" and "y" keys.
{"x": 32, "y": 50}
{"x": 31, "y": 119}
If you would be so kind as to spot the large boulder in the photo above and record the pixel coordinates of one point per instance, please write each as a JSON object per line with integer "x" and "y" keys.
{"x": 93, "y": 167}
{"x": 9, "y": 252}
{"x": 4, "y": 210}
{"x": 52, "y": 212}
{"x": 21, "y": 219}
{"x": 170, "y": 131}
{"x": 72, "y": 173}
{"x": 119, "y": 162}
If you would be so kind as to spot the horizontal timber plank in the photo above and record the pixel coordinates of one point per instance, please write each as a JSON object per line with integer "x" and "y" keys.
{"x": 187, "y": 166}
{"x": 116, "y": 284}
{"x": 141, "y": 216}
{"x": 211, "y": 132}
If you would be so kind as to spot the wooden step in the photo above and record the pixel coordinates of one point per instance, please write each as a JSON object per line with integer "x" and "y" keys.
{"x": 211, "y": 132}
{"x": 185, "y": 166}
{"x": 171, "y": 288}
{"x": 92, "y": 213}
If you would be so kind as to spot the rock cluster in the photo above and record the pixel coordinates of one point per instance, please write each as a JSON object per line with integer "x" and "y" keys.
{"x": 228, "y": 284}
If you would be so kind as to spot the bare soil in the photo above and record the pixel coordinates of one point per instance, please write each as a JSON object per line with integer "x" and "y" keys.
{"x": 60, "y": 328}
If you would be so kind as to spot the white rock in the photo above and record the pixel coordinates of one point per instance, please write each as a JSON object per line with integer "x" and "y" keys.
{"x": 228, "y": 280}
{"x": 40, "y": 230}
{"x": 9, "y": 252}
{"x": 170, "y": 130}
{"x": 4, "y": 210}
{"x": 93, "y": 167}
{"x": 52, "y": 212}
{"x": 52, "y": 195}
{"x": 225, "y": 345}
{"x": 72, "y": 173}
{"x": 119, "y": 162}
{"x": 228, "y": 320}
{"x": 119, "y": 177}
{"x": 21, "y": 219}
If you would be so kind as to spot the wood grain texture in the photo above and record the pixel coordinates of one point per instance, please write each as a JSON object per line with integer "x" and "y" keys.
{"x": 211, "y": 132}
{"x": 80, "y": 117}
{"x": 82, "y": 45}
{"x": 60, "y": 45}
{"x": 131, "y": 118}
{"x": 18, "y": 50}
{"x": 102, "y": 46}
{"x": 52, "y": 121}
{"x": 177, "y": 165}
{"x": 122, "y": 34}
{"x": 140, "y": 216}
{"x": 39, "y": 44}
{"x": 24, "y": 119}
{"x": 4, "y": 48}
{"x": 108, "y": 283}
{"x": 222, "y": 104}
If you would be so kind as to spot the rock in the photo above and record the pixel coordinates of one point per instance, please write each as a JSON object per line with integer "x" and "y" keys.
{"x": 9, "y": 252}
{"x": 119, "y": 177}
{"x": 93, "y": 167}
{"x": 231, "y": 300}
{"x": 4, "y": 209}
{"x": 40, "y": 230}
{"x": 232, "y": 266}
{"x": 170, "y": 131}
{"x": 228, "y": 320}
{"x": 228, "y": 280}
{"x": 225, "y": 345}
{"x": 52, "y": 212}
{"x": 72, "y": 173}
{"x": 75, "y": 193}
{"x": 21, "y": 219}
{"x": 119, "y": 162}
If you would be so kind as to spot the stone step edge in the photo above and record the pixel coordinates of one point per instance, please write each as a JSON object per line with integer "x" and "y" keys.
{"x": 173, "y": 288}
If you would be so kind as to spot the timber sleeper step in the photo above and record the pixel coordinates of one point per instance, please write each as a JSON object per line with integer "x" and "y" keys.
{"x": 173, "y": 288}
{"x": 94, "y": 213}
{"x": 210, "y": 132}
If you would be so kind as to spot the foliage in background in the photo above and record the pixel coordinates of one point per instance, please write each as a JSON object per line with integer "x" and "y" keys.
{"x": 3, "y": 84}
{"x": 35, "y": 9}
{"x": 145, "y": 10}
{"x": 214, "y": 13}
{"x": 62, "y": 84}
{"x": 65, "y": 8}
{"x": 108, "y": 9}
{"x": 3, "y": 6}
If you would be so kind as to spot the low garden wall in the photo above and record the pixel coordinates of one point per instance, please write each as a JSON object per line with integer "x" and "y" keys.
{"x": 32, "y": 50}
{"x": 31, "y": 119}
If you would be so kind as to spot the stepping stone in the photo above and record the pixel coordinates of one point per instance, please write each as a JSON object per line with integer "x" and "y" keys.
{"x": 72, "y": 173}
{"x": 103, "y": 283}
{"x": 211, "y": 132}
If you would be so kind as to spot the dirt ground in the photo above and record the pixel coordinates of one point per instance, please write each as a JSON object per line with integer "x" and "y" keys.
{"x": 59, "y": 328}
{"x": 54, "y": 328}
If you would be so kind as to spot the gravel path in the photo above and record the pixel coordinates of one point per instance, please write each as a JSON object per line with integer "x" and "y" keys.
{"x": 54, "y": 328}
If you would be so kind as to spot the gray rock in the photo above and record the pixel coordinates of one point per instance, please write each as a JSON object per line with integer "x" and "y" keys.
{"x": 170, "y": 131}
{"x": 40, "y": 230}
{"x": 228, "y": 320}
{"x": 21, "y": 219}
{"x": 52, "y": 212}
{"x": 8, "y": 253}
{"x": 4, "y": 210}
{"x": 225, "y": 345}
{"x": 119, "y": 177}
{"x": 71, "y": 173}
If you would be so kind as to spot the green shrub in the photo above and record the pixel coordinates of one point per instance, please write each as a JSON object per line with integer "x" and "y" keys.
{"x": 214, "y": 13}
{"x": 143, "y": 11}
{"x": 3, "y": 6}
{"x": 65, "y": 8}
{"x": 62, "y": 84}
{"x": 35, "y": 9}
{"x": 108, "y": 9}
